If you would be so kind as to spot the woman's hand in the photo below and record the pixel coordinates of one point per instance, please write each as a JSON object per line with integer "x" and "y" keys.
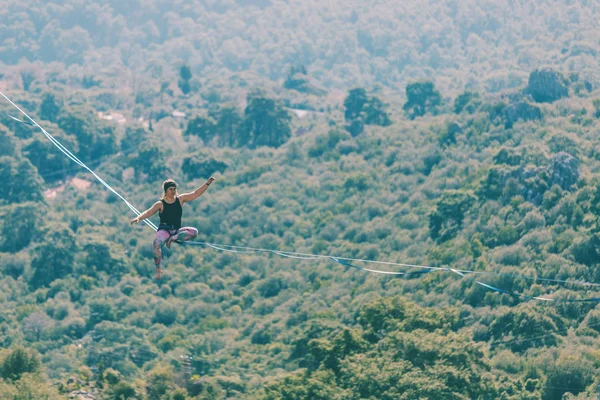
{"x": 134, "y": 221}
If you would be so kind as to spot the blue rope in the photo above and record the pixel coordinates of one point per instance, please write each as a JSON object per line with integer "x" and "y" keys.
{"x": 303, "y": 256}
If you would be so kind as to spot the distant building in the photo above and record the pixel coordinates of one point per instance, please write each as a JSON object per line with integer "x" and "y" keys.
{"x": 113, "y": 116}
{"x": 299, "y": 113}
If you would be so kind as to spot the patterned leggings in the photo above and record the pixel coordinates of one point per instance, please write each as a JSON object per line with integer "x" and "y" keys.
{"x": 163, "y": 236}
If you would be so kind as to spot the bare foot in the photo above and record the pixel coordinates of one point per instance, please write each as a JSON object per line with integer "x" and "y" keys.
{"x": 158, "y": 273}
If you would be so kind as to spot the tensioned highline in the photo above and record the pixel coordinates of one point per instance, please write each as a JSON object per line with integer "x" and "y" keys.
{"x": 348, "y": 262}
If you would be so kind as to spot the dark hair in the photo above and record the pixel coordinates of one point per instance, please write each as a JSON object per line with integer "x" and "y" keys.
{"x": 167, "y": 184}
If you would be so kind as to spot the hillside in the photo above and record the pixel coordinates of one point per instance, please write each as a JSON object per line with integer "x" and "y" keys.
{"x": 412, "y": 134}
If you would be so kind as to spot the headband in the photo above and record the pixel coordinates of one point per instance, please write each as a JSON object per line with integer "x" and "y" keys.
{"x": 168, "y": 185}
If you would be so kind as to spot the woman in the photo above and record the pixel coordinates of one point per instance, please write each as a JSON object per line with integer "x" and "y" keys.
{"x": 170, "y": 208}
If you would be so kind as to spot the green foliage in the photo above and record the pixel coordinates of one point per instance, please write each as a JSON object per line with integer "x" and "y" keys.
{"x": 98, "y": 257}
{"x": 50, "y": 107}
{"x": 8, "y": 144}
{"x": 22, "y": 183}
{"x": 202, "y": 127}
{"x": 523, "y": 328}
{"x": 159, "y": 382}
{"x": 27, "y": 78}
{"x": 271, "y": 287}
{"x": 266, "y": 123}
{"x": 354, "y": 103}
{"x": 423, "y": 97}
{"x": 30, "y": 386}
{"x": 447, "y": 219}
{"x": 567, "y": 374}
{"x": 546, "y": 85}
{"x": 356, "y": 127}
{"x": 202, "y": 169}
{"x": 18, "y": 362}
{"x": 185, "y": 75}
{"x": 52, "y": 260}
{"x": 467, "y": 101}
{"x": 596, "y": 104}
{"x": 20, "y": 226}
{"x": 51, "y": 165}
{"x": 123, "y": 391}
{"x": 165, "y": 314}
{"x": 204, "y": 388}
{"x": 228, "y": 125}
{"x": 397, "y": 362}
{"x": 363, "y": 109}
{"x": 262, "y": 326}
{"x": 133, "y": 138}
{"x": 326, "y": 144}
{"x": 298, "y": 79}
{"x": 100, "y": 311}
{"x": 150, "y": 161}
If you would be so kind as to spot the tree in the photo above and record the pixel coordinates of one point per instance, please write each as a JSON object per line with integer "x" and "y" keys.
{"x": 51, "y": 164}
{"x": 123, "y": 391}
{"x": 361, "y": 110}
{"x": 159, "y": 382}
{"x": 422, "y": 98}
{"x": 50, "y": 262}
{"x": 150, "y": 161}
{"x": 99, "y": 311}
{"x": 53, "y": 259}
{"x": 94, "y": 138}
{"x": 8, "y": 144}
{"x": 133, "y": 139}
{"x": 266, "y": 123}
{"x": 20, "y": 226}
{"x": 228, "y": 125}
{"x": 546, "y": 85}
{"x": 466, "y": 101}
{"x": 446, "y": 220}
{"x": 568, "y": 374}
{"x": 18, "y": 362}
{"x": 297, "y": 78}
{"x": 22, "y": 182}
{"x": 185, "y": 75}
{"x": 27, "y": 184}
{"x": 89, "y": 81}
{"x": 98, "y": 257}
{"x": 166, "y": 314}
{"x": 203, "y": 127}
{"x": 355, "y": 127}
{"x": 198, "y": 169}
{"x": 49, "y": 108}
{"x": 596, "y": 104}
{"x": 354, "y": 103}
{"x": 35, "y": 325}
{"x": 375, "y": 113}
{"x": 27, "y": 78}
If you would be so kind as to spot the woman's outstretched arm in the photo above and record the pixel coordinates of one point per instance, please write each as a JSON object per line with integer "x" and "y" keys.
{"x": 148, "y": 213}
{"x": 196, "y": 193}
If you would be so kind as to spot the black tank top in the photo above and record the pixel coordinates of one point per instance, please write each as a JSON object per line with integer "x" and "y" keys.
{"x": 171, "y": 214}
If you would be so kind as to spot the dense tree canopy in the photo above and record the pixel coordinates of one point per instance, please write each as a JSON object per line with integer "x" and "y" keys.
{"x": 457, "y": 135}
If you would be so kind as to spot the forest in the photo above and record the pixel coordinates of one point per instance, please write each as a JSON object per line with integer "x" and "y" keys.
{"x": 457, "y": 142}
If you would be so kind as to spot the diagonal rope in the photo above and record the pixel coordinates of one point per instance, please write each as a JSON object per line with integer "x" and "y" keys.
{"x": 74, "y": 158}
{"x": 305, "y": 256}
